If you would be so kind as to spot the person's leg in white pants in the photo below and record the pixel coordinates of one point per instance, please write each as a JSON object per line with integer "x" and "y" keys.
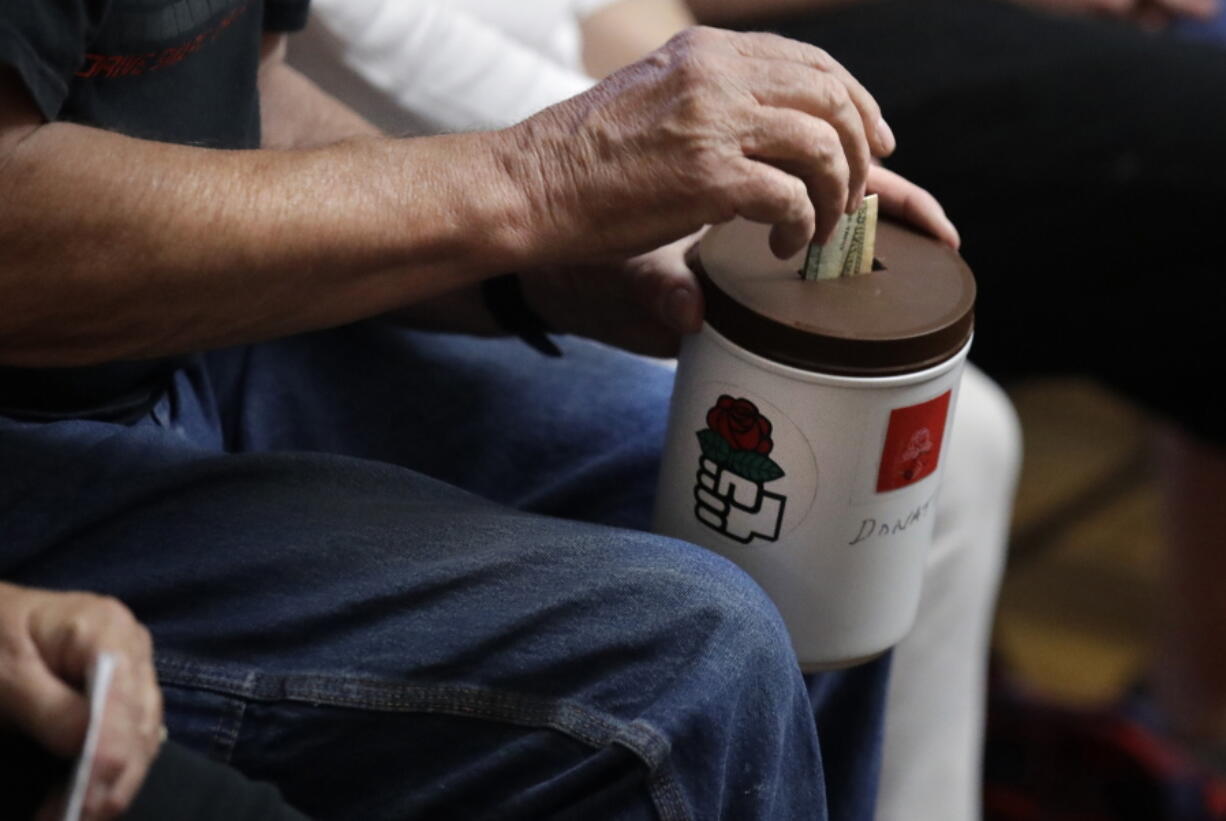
{"x": 935, "y": 707}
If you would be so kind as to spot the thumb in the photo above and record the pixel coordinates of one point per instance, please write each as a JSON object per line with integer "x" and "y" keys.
{"x": 47, "y": 709}
{"x": 666, "y": 287}
{"x": 905, "y": 200}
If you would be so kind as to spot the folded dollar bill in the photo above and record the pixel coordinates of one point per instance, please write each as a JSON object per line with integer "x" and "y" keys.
{"x": 850, "y": 249}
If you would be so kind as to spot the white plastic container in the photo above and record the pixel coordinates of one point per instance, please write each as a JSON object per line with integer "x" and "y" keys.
{"x": 821, "y": 484}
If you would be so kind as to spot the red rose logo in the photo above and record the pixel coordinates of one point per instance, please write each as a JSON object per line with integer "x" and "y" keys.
{"x": 733, "y": 471}
{"x": 741, "y": 425}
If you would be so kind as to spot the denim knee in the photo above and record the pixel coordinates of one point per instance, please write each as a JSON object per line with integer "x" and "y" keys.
{"x": 714, "y": 610}
{"x": 732, "y": 702}
{"x": 714, "y": 633}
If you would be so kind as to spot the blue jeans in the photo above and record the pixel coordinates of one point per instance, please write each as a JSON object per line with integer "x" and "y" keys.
{"x": 350, "y": 551}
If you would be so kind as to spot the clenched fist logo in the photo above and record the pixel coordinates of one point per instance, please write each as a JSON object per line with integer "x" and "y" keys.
{"x": 733, "y": 471}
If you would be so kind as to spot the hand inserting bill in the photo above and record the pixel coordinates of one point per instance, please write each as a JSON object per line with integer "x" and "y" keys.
{"x": 850, "y": 251}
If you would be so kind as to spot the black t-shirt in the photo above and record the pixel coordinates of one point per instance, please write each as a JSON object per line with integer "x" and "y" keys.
{"x": 181, "y": 71}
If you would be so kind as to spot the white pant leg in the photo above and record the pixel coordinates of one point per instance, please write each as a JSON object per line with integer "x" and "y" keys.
{"x": 935, "y": 707}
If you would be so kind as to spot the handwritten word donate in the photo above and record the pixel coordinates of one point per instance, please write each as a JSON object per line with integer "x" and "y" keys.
{"x": 871, "y": 528}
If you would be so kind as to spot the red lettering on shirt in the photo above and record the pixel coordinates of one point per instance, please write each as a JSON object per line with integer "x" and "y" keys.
{"x": 112, "y": 66}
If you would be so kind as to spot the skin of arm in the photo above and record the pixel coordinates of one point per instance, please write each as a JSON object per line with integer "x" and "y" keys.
{"x": 122, "y": 248}
{"x": 296, "y": 113}
{"x": 202, "y": 248}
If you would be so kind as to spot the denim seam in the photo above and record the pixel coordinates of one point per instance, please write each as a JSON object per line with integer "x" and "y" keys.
{"x": 224, "y": 736}
{"x": 666, "y": 794}
{"x": 592, "y": 727}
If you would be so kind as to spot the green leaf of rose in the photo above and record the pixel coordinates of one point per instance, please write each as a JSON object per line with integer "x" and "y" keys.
{"x": 754, "y": 466}
{"x": 714, "y": 447}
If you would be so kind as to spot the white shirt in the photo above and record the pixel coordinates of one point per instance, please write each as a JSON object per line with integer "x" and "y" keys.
{"x": 424, "y": 66}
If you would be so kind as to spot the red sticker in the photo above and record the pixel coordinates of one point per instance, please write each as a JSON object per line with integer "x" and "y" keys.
{"x": 913, "y": 443}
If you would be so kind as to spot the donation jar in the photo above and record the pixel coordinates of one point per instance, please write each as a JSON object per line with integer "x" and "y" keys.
{"x": 808, "y": 425}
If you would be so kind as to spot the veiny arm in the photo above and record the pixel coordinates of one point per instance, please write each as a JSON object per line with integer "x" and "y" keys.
{"x": 296, "y": 113}
{"x": 115, "y": 247}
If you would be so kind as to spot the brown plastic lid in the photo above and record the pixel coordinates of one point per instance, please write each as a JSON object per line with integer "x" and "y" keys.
{"x": 913, "y": 313}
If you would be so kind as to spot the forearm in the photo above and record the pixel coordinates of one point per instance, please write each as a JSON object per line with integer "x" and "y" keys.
{"x": 116, "y": 247}
{"x": 122, "y": 248}
{"x": 296, "y": 113}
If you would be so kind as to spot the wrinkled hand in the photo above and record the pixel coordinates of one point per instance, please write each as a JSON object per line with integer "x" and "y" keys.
{"x": 48, "y": 643}
{"x": 712, "y": 125}
{"x": 1149, "y": 13}
{"x": 645, "y": 304}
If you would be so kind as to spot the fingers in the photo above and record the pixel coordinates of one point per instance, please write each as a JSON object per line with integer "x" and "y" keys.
{"x": 769, "y": 195}
{"x": 789, "y": 77}
{"x": 129, "y": 739}
{"x": 810, "y": 149}
{"x": 663, "y": 283}
{"x": 72, "y": 629}
{"x": 899, "y": 197}
{"x": 763, "y": 193}
{"x": 124, "y": 786}
{"x": 69, "y": 631}
{"x": 643, "y": 304}
{"x": 712, "y": 125}
{"x": 773, "y": 47}
{"x": 32, "y": 696}
{"x": 793, "y": 88}
{"x": 43, "y": 707}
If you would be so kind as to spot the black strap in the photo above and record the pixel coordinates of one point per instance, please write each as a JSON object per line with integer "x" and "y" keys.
{"x": 504, "y": 299}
